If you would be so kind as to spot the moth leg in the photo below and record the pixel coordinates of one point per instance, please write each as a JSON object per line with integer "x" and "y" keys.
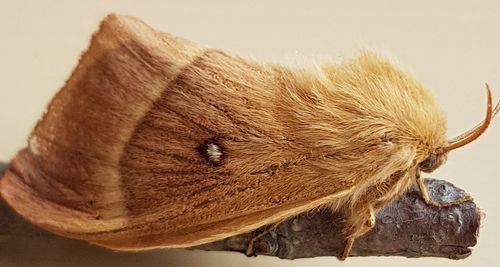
{"x": 250, "y": 252}
{"x": 360, "y": 219}
{"x": 425, "y": 195}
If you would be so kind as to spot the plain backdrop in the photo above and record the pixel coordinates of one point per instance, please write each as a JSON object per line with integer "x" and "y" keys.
{"x": 451, "y": 46}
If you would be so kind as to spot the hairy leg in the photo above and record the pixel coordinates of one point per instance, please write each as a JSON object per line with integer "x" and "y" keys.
{"x": 360, "y": 219}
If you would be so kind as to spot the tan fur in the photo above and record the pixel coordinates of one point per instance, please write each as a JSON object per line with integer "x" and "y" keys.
{"x": 118, "y": 158}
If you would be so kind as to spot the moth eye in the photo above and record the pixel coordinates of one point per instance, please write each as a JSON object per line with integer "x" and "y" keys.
{"x": 430, "y": 163}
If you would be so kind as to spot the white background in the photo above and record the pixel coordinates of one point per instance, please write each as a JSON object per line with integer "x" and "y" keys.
{"x": 452, "y": 47}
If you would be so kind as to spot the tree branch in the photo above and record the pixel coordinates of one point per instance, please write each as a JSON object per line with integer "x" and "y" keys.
{"x": 407, "y": 227}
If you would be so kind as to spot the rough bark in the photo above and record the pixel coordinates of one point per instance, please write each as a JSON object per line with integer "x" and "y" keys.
{"x": 407, "y": 227}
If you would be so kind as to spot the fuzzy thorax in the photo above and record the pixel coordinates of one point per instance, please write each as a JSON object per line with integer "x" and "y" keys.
{"x": 366, "y": 100}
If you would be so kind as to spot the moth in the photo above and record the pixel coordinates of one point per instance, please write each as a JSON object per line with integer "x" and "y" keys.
{"x": 155, "y": 141}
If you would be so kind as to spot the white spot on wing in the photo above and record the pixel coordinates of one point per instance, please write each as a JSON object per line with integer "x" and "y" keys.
{"x": 214, "y": 152}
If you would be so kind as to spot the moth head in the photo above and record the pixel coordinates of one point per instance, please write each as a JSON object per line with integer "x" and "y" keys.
{"x": 437, "y": 157}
